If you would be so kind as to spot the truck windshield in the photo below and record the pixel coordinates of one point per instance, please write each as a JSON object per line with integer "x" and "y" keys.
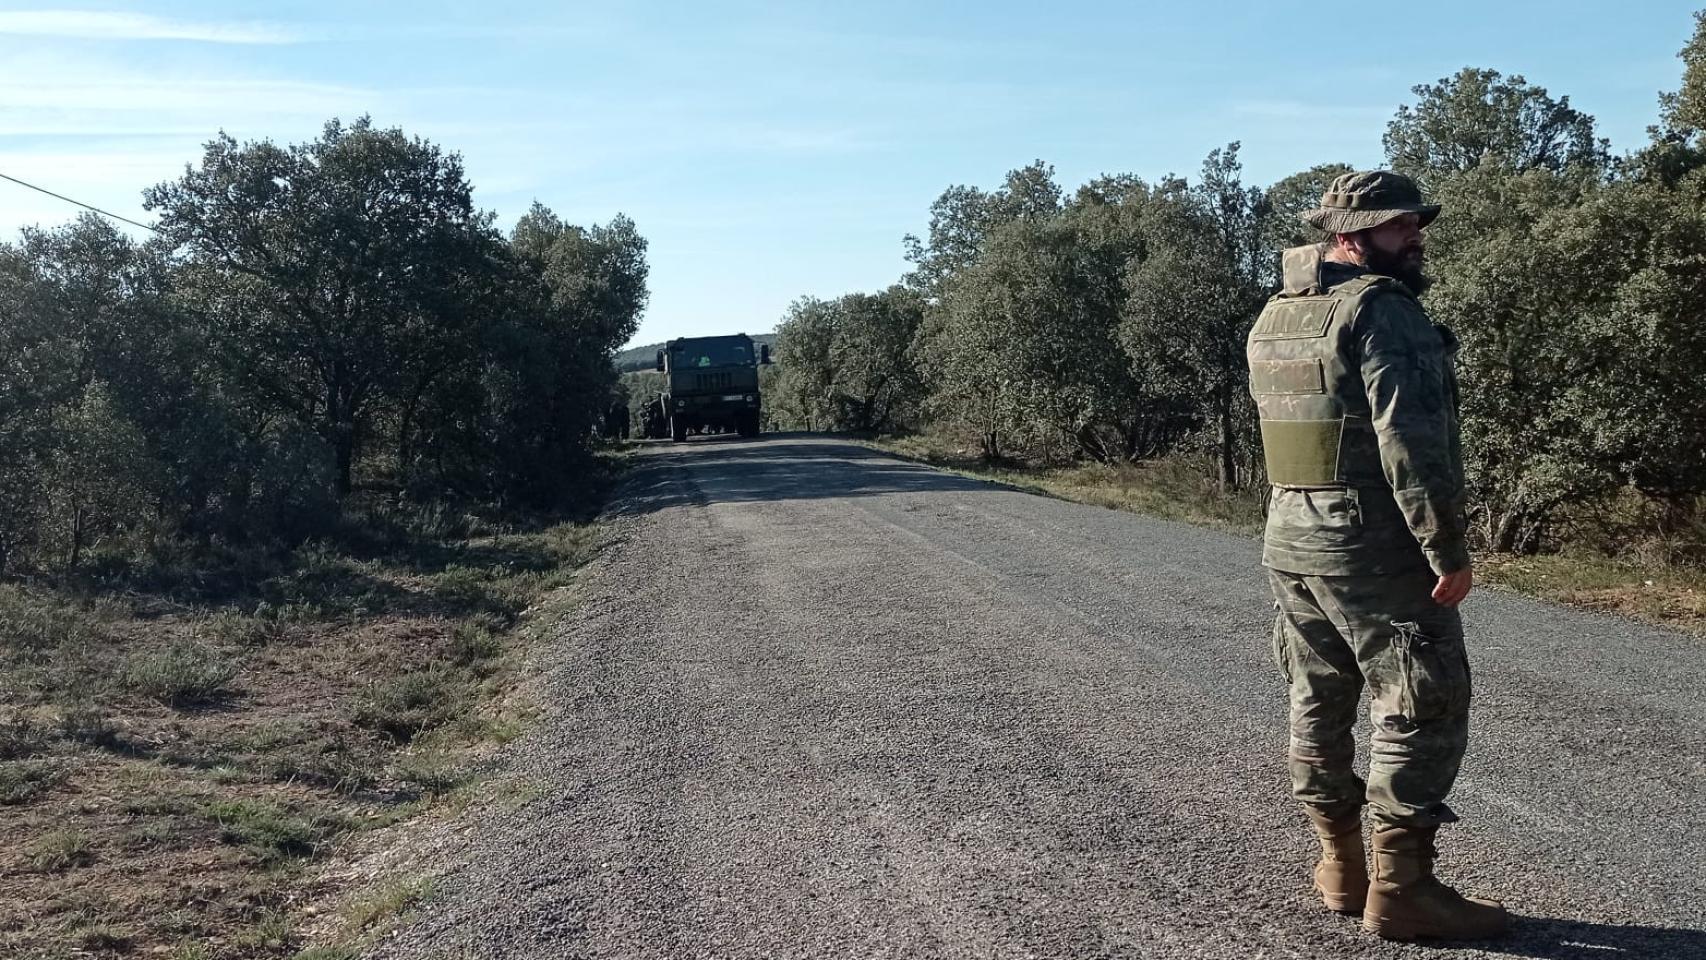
{"x": 712, "y": 355}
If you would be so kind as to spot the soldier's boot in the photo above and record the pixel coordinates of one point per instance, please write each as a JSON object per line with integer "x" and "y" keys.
{"x": 1341, "y": 875}
{"x": 1406, "y": 901}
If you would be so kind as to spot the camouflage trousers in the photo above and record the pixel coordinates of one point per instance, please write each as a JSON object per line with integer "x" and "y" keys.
{"x": 1334, "y": 635}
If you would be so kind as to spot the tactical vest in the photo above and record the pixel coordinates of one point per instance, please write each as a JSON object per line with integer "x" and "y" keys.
{"x": 1316, "y": 431}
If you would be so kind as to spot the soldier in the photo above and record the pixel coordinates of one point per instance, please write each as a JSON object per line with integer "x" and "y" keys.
{"x": 1365, "y": 552}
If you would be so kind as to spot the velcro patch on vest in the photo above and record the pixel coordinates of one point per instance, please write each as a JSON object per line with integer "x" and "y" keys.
{"x": 1302, "y": 453}
{"x": 1273, "y": 377}
{"x": 1296, "y": 318}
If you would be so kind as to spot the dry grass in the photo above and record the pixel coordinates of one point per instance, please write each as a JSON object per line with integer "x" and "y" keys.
{"x": 1173, "y": 489}
{"x": 1647, "y": 583}
{"x": 1672, "y": 596}
{"x": 173, "y": 765}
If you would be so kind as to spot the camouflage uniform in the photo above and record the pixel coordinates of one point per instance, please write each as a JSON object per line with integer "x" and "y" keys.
{"x": 1358, "y": 406}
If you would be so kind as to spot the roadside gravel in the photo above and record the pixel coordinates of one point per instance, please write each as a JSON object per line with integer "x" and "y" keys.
{"x": 824, "y": 703}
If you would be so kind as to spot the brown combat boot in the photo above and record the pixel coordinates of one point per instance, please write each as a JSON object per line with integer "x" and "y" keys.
{"x": 1406, "y": 901}
{"x": 1341, "y": 875}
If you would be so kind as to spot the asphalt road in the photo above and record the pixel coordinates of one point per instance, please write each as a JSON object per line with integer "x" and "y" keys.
{"x": 824, "y": 703}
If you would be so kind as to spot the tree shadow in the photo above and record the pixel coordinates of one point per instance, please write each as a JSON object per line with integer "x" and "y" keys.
{"x": 730, "y": 470}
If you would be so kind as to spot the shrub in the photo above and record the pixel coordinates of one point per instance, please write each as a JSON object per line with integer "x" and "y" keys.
{"x": 472, "y": 643}
{"x": 331, "y": 762}
{"x": 101, "y": 482}
{"x": 403, "y": 706}
{"x": 233, "y": 628}
{"x": 465, "y": 586}
{"x": 181, "y": 674}
{"x": 22, "y": 781}
{"x": 32, "y": 623}
{"x": 20, "y": 737}
{"x": 87, "y": 723}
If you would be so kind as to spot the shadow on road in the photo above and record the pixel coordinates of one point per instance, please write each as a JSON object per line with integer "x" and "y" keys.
{"x": 1543, "y": 937}
{"x": 729, "y": 470}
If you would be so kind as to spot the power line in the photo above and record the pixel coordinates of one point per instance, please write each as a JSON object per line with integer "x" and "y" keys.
{"x": 58, "y": 196}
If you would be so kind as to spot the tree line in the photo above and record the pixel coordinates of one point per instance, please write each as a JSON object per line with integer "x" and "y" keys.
{"x": 1108, "y": 324}
{"x": 307, "y": 322}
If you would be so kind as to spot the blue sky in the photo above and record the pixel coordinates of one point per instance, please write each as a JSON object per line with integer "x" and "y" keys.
{"x": 767, "y": 150}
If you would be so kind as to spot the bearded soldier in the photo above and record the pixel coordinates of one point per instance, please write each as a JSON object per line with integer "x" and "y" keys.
{"x": 1365, "y": 552}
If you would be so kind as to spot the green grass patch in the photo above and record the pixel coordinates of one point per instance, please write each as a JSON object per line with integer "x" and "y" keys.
{"x": 105, "y": 937}
{"x": 61, "y": 849}
{"x": 180, "y": 674}
{"x": 434, "y": 772}
{"x": 266, "y": 829}
{"x": 473, "y": 644}
{"x": 272, "y": 933}
{"x": 21, "y": 737}
{"x": 388, "y": 901}
{"x": 35, "y": 622}
{"x": 22, "y": 780}
{"x": 377, "y": 674}
{"x": 88, "y": 723}
{"x": 406, "y": 705}
{"x": 336, "y": 762}
{"x": 233, "y": 629}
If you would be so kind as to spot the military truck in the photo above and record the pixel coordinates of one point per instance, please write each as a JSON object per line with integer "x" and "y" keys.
{"x": 713, "y": 384}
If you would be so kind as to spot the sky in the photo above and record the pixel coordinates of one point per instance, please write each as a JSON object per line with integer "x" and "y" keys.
{"x": 770, "y": 151}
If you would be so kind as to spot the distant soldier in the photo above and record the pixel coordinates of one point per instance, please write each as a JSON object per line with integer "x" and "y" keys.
{"x": 1365, "y": 552}
{"x": 656, "y": 424}
{"x": 616, "y": 420}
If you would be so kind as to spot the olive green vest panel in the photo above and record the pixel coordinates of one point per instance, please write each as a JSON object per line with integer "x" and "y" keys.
{"x": 1314, "y": 415}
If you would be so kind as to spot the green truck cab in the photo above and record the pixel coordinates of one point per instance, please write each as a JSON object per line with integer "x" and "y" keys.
{"x": 713, "y": 382}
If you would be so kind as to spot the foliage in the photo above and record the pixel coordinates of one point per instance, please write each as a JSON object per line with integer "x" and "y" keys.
{"x": 1109, "y": 325}
{"x": 312, "y": 318}
{"x": 847, "y": 364}
{"x": 1021, "y": 346}
{"x": 1193, "y": 299}
{"x": 1481, "y": 117}
{"x": 332, "y": 272}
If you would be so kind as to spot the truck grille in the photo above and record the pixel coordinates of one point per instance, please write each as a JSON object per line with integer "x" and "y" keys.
{"x": 707, "y": 382}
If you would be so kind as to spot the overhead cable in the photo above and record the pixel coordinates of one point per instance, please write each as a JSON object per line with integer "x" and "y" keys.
{"x": 58, "y": 196}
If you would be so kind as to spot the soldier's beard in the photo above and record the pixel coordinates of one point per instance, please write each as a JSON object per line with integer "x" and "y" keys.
{"x": 1404, "y": 266}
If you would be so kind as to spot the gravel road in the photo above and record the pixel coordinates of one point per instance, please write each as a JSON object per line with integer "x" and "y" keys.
{"x": 825, "y": 703}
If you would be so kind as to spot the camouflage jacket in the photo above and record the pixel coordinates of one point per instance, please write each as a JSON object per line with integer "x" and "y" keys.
{"x": 1358, "y": 402}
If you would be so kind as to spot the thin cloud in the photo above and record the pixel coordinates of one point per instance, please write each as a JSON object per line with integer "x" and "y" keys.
{"x": 95, "y": 25}
{"x": 213, "y": 98}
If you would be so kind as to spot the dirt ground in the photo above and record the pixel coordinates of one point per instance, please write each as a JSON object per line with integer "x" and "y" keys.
{"x": 177, "y": 770}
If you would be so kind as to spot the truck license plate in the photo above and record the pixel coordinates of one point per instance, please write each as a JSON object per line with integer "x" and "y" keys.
{"x": 734, "y": 396}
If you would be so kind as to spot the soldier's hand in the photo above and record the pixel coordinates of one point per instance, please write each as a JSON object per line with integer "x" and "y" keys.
{"x": 1453, "y": 587}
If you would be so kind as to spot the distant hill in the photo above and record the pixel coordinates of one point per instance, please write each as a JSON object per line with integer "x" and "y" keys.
{"x": 646, "y": 357}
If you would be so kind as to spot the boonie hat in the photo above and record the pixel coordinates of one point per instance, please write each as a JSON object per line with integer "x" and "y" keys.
{"x": 1366, "y": 199}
